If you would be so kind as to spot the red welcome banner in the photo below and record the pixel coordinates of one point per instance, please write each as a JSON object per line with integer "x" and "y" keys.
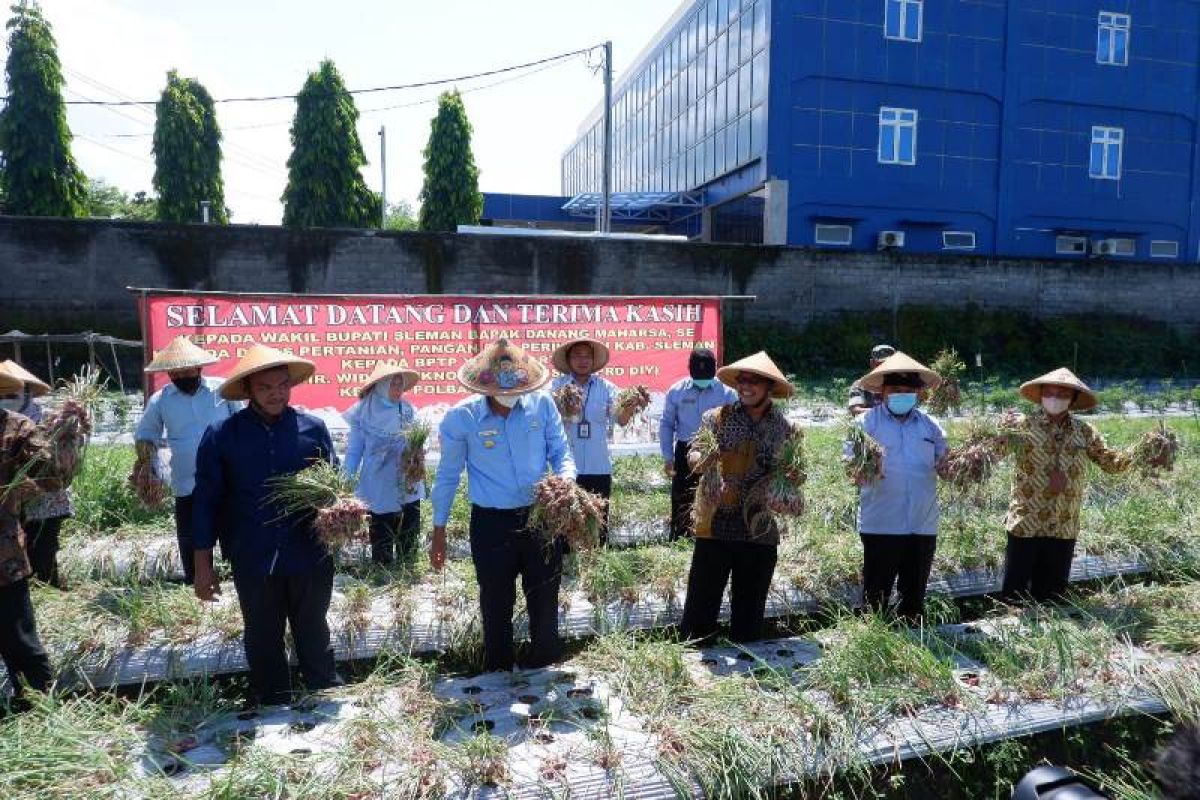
{"x": 649, "y": 338}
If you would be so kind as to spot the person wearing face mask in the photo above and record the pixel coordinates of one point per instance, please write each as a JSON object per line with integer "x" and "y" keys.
{"x": 180, "y": 412}
{"x": 898, "y": 513}
{"x": 43, "y": 515}
{"x": 737, "y": 538}
{"x": 506, "y": 436}
{"x": 1049, "y": 478}
{"x": 861, "y": 401}
{"x": 282, "y": 571}
{"x": 374, "y": 450}
{"x": 580, "y": 360}
{"x": 683, "y": 408}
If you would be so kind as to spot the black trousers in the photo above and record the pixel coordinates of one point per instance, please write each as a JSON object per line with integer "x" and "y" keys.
{"x": 683, "y": 494}
{"x": 269, "y": 604}
{"x": 394, "y": 535}
{"x": 20, "y": 647}
{"x": 41, "y": 545}
{"x": 1037, "y": 567}
{"x": 503, "y": 549}
{"x": 716, "y": 562}
{"x": 601, "y": 485}
{"x": 187, "y": 546}
{"x": 889, "y": 559}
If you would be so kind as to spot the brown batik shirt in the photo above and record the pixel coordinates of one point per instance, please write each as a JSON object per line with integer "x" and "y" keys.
{"x": 26, "y": 470}
{"x": 731, "y": 498}
{"x": 1037, "y": 507}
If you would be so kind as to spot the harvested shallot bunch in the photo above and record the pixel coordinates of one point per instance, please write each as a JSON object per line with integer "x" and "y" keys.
{"x": 569, "y": 399}
{"x": 324, "y": 489}
{"x": 562, "y": 508}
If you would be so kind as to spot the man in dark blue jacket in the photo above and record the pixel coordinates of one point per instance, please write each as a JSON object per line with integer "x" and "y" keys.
{"x": 282, "y": 572}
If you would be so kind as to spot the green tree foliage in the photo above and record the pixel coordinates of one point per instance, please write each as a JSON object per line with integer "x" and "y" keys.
{"x": 40, "y": 176}
{"x": 450, "y": 196}
{"x": 325, "y": 188}
{"x": 108, "y": 201}
{"x": 187, "y": 153}
{"x": 400, "y": 217}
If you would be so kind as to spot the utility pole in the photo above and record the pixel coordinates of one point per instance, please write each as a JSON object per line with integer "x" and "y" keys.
{"x": 383, "y": 174}
{"x": 606, "y": 167}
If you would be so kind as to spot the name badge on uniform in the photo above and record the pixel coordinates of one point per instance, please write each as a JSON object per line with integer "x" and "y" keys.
{"x": 583, "y": 430}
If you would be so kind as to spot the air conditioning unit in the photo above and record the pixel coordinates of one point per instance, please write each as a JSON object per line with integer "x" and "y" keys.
{"x": 1104, "y": 247}
{"x": 890, "y": 239}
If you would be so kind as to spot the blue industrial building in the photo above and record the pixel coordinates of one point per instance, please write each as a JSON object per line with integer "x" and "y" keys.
{"x": 1028, "y": 127}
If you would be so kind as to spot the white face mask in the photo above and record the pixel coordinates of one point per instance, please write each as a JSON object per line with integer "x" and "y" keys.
{"x": 1055, "y": 405}
{"x": 508, "y": 401}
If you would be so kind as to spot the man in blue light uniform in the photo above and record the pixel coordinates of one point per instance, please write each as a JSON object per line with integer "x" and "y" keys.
{"x": 898, "y": 512}
{"x": 580, "y": 361}
{"x": 506, "y": 437}
{"x": 683, "y": 410}
{"x": 182, "y": 410}
{"x": 282, "y": 571}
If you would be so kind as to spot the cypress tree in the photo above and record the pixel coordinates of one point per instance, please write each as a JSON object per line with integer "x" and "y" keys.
{"x": 325, "y": 187}
{"x": 187, "y": 153}
{"x": 40, "y": 176}
{"x": 450, "y": 196}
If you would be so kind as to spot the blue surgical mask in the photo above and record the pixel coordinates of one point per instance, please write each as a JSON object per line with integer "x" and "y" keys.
{"x": 901, "y": 404}
{"x": 702, "y": 383}
{"x": 384, "y": 396}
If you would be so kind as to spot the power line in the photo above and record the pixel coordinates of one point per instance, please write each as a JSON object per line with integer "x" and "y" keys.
{"x": 371, "y": 90}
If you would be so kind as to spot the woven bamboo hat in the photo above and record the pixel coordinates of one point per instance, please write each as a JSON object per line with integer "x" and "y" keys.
{"x": 897, "y": 364}
{"x": 1084, "y": 399}
{"x": 10, "y": 385}
{"x": 37, "y": 387}
{"x": 386, "y": 370}
{"x": 259, "y": 358}
{"x": 503, "y": 369}
{"x": 181, "y": 353}
{"x": 760, "y": 364}
{"x": 599, "y": 355}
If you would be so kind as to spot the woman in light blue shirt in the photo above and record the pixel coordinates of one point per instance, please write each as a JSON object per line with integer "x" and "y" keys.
{"x": 379, "y": 424}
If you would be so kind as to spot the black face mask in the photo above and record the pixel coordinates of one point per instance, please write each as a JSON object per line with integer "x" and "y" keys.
{"x": 187, "y": 385}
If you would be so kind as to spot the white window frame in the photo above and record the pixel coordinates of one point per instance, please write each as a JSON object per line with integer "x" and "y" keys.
{"x": 1112, "y": 23}
{"x": 1071, "y": 245}
{"x": 1108, "y": 137}
{"x": 946, "y": 243}
{"x": 904, "y": 8}
{"x": 840, "y": 241}
{"x": 1170, "y": 244}
{"x": 897, "y": 118}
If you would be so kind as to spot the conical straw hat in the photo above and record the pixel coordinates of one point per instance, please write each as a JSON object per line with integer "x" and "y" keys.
{"x": 599, "y": 355}
{"x": 37, "y": 387}
{"x": 259, "y": 358}
{"x": 10, "y": 385}
{"x": 385, "y": 370}
{"x": 897, "y": 364}
{"x": 1032, "y": 390}
{"x": 760, "y": 364}
{"x": 181, "y": 353}
{"x": 503, "y": 369}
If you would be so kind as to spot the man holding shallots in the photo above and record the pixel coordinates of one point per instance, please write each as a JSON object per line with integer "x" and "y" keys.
{"x": 587, "y": 424}
{"x": 745, "y": 481}
{"x": 390, "y": 472}
{"x": 506, "y": 436}
{"x": 282, "y": 571}
{"x": 898, "y": 504}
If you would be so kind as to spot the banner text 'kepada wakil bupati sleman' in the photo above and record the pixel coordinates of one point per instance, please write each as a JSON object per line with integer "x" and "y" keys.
{"x": 649, "y": 337}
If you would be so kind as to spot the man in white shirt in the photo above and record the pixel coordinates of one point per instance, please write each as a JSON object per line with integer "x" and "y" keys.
{"x": 180, "y": 412}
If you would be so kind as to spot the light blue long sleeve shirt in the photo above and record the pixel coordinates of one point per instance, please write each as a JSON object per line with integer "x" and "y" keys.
{"x": 683, "y": 410}
{"x": 378, "y": 467}
{"x": 184, "y": 418}
{"x": 904, "y": 500}
{"x": 599, "y": 412}
{"x": 504, "y": 457}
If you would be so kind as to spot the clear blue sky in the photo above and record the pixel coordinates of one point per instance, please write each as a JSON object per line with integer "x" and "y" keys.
{"x": 124, "y": 48}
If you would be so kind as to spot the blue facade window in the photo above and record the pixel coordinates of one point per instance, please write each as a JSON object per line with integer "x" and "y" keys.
{"x": 1112, "y": 39}
{"x": 1105, "y": 161}
{"x": 902, "y": 19}
{"x": 897, "y": 136}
